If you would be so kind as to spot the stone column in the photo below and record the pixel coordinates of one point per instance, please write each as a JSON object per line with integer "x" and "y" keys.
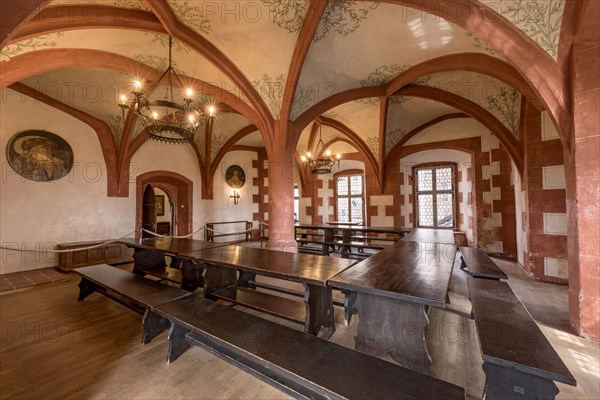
{"x": 582, "y": 169}
{"x": 281, "y": 196}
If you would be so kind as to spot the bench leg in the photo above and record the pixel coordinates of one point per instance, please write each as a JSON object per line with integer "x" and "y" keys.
{"x": 85, "y": 289}
{"x": 508, "y": 383}
{"x": 191, "y": 275}
{"x": 245, "y": 278}
{"x": 463, "y": 265}
{"x": 177, "y": 342}
{"x": 318, "y": 303}
{"x": 393, "y": 327}
{"x": 153, "y": 325}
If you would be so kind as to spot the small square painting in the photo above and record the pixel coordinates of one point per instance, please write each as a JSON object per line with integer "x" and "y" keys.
{"x": 160, "y": 204}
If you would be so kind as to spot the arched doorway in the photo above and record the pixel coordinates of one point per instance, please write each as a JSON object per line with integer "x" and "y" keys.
{"x": 180, "y": 197}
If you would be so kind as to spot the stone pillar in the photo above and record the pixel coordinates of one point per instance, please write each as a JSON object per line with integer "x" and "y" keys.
{"x": 582, "y": 169}
{"x": 281, "y": 196}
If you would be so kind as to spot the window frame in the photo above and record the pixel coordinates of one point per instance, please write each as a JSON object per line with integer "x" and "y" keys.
{"x": 434, "y": 192}
{"x": 347, "y": 174}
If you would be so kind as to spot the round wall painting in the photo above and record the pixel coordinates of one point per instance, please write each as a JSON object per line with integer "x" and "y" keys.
{"x": 39, "y": 155}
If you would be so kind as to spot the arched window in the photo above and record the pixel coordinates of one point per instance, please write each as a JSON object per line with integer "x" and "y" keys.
{"x": 435, "y": 196}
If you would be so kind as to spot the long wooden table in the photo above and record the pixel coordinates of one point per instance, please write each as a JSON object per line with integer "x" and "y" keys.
{"x": 445, "y": 236}
{"x": 391, "y": 292}
{"x": 221, "y": 280}
{"x": 215, "y": 267}
{"x": 347, "y": 231}
{"x": 149, "y": 258}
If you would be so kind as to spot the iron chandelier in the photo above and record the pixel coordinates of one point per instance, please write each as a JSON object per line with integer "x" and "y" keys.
{"x": 321, "y": 164}
{"x": 166, "y": 120}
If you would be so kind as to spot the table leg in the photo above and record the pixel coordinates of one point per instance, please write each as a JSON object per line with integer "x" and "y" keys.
{"x": 392, "y": 327}
{"x": 318, "y": 303}
{"x": 145, "y": 260}
{"x": 191, "y": 275}
{"x": 217, "y": 277}
{"x": 245, "y": 278}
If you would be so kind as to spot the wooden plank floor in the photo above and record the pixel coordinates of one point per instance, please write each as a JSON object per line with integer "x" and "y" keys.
{"x": 52, "y": 347}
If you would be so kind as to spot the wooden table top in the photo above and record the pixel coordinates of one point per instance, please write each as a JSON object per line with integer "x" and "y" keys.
{"x": 171, "y": 245}
{"x": 374, "y": 229}
{"x": 445, "y": 236}
{"x": 414, "y": 272}
{"x": 299, "y": 267}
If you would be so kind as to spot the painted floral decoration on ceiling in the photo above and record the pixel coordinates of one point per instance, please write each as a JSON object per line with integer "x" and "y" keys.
{"x": 271, "y": 89}
{"x": 286, "y": 14}
{"x": 191, "y": 15}
{"x": 507, "y": 106}
{"x": 216, "y": 142}
{"x": 31, "y": 44}
{"x": 383, "y": 75}
{"x": 392, "y": 138}
{"x": 540, "y": 19}
{"x": 131, "y": 4}
{"x": 343, "y": 17}
{"x": 372, "y": 143}
{"x": 115, "y": 122}
{"x": 479, "y": 43}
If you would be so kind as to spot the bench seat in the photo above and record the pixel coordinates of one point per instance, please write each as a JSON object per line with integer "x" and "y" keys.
{"x": 323, "y": 248}
{"x": 345, "y": 248}
{"x": 276, "y": 305}
{"x": 518, "y": 360}
{"x": 131, "y": 290}
{"x": 298, "y": 363}
{"x": 367, "y": 237}
{"x": 479, "y": 264}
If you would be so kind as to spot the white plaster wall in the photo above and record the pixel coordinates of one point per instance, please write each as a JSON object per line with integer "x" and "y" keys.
{"x": 154, "y": 156}
{"x": 221, "y": 207}
{"x": 37, "y": 215}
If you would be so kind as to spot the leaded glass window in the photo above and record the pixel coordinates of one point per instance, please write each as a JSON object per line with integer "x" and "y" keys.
{"x": 349, "y": 194}
{"x": 435, "y": 197}
{"x": 296, "y": 204}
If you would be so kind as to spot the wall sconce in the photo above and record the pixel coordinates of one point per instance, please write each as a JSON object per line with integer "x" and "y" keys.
{"x": 235, "y": 196}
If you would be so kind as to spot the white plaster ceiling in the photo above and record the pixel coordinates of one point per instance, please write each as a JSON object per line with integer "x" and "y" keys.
{"x": 541, "y": 20}
{"x": 357, "y": 44}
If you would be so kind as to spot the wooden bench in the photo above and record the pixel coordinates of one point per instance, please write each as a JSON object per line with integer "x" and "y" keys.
{"x": 322, "y": 249}
{"x": 478, "y": 264}
{"x": 131, "y": 290}
{"x": 345, "y": 248}
{"x": 298, "y": 363}
{"x": 111, "y": 253}
{"x": 518, "y": 360}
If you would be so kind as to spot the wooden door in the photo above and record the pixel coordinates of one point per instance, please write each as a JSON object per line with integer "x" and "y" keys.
{"x": 148, "y": 212}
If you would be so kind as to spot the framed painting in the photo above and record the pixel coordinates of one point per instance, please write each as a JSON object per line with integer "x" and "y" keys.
{"x": 39, "y": 155}
{"x": 160, "y": 204}
{"x": 235, "y": 177}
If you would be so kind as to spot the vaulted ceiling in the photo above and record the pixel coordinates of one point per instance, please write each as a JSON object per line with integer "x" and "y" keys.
{"x": 371, "y": 72}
